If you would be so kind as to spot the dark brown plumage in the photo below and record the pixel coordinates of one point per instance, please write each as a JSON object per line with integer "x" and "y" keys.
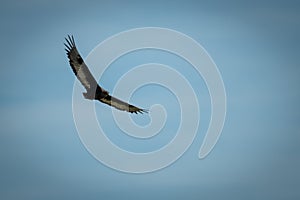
{"x": 93, "y": 90}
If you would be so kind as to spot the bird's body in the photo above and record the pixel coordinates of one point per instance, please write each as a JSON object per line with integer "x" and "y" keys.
{"x": 93, "y": 90}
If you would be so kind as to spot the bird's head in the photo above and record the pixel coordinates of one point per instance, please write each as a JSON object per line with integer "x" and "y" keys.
{"x": 104, "y": 92}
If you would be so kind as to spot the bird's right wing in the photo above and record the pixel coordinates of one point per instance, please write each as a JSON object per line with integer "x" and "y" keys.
{"x": 79, "y": 67}
{"x": 121, "y": 105}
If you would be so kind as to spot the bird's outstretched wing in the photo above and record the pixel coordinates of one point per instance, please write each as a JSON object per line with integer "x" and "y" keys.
{"x": 94, "y": 91}
{"x": 78, "y": 66}
{"x": 121, "y": 105}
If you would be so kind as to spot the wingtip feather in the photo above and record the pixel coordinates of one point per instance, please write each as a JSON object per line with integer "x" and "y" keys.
{"x": 73, "y": 40}
{"x": 67, "y": 47}
{"x": 70, "y": 43}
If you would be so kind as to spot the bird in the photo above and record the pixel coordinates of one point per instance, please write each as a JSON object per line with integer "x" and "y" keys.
{"x": 93, "y": 90}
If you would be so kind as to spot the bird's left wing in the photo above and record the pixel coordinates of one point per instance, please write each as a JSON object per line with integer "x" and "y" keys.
{"x": 78, "y": 66}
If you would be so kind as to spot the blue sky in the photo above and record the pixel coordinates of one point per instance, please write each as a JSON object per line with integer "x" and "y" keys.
{"x": 256, "y": 48}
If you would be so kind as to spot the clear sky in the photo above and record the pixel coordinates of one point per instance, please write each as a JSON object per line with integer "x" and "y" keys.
{"x": 255, "y": 45}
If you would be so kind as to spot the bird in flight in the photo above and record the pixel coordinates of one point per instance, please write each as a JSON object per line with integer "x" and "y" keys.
{"x": 93, "y": 90}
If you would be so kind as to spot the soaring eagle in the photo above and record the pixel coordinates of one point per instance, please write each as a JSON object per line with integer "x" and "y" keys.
{"x": 93, "y": 90}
